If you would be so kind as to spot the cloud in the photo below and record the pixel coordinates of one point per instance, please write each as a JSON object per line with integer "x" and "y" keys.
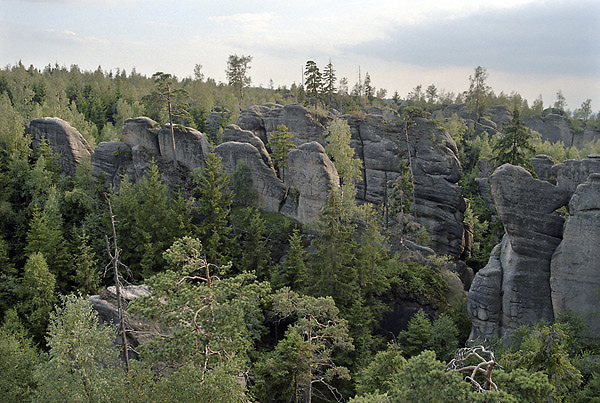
{"x": 542, "y": 37}
{"x": 75, "y": 38}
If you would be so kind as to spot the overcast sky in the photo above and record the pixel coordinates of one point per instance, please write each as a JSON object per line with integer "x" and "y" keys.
{"x": 533, "y": 47}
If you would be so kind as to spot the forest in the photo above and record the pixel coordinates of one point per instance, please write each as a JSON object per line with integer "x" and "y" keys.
{"x": 247, "y": 305}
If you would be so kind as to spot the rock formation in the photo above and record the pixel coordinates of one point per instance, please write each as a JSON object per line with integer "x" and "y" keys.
{"x": 381, "y": 144}
{"x": 575, "y": 267}
{"x": 311, "y": 175}
{"x": 542, "y": 267}
{"x": 64, "y": 140}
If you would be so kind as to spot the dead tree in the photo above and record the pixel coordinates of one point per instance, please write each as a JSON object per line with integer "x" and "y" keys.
{"x": 483, "y": 366}
{"x": 115, "y": 262}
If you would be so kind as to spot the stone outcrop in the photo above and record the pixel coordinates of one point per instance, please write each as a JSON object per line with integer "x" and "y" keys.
{"x": 235, "y": 133}
{"x": 191, "y": 146}
{"x": 310, "y": 176}
{"x": 111, "y": 160}
{"x": 542, "y": 165}
{"x": 269, "y": 189}
{"x": 140, "y": 132}
{"x": 64, "y": 140}
{"x": 575, "y": 267}
{"x": 553, "y": 126}
{"x": 545, "y": 267}
{"x": 380, "y": 142}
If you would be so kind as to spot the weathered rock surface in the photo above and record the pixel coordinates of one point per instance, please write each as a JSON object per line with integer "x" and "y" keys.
{"x": 526, "y": 206}
{"x": 571, "y": 173}
{"x": 310, "y": 177}
{"x": 269, "y": 189}
{"x": 235, "y": 133}
{"x": 139, "y": 131}
{"x": 484, "y": 300}
{"x": 542, "y": 165}
{"x": 111, "y": 160}
{"x": 575, "y": 267}
{"x": 64, "y": 140}
{"x": 553, "y": 127}
{"x": 191, "y": 146}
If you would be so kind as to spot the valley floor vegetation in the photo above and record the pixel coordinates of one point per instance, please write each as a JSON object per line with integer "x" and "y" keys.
{"x": 250, "y": 305}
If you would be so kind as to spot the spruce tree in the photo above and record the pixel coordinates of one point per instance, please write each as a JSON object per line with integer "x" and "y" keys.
{"x": 515, "y": 144}
{"x": 281, "y": 143}
{"x": 214, "y": 207}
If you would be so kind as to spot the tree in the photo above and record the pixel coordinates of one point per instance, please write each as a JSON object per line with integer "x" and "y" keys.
{"x": 281, "y": 143}
{"x": 237, "y": 74}
{"x": 212, "y": 320}
{"x": 337, "y": 136}
{"x": 369, "y": 90}
{"x": 415, "y": 338}
{"x": 313, "y": 81}
{"x": 214, "y": 207}
{"x": 561, "y": 103}
{"x": 584, "y": 111}
{"x": 329, "y": 79}
{"x": 198, "y": 75}
{"x": 87, "y": 275}
{"x": 479, "y": 92}
{"x": 294, "y": 270}
{"x": 315, "y": 334}
{"x": 37, "y": 295}
{"x": 431, "y": 93}
{"x": 514, "y": 145}
{"x": 83, "y": 361}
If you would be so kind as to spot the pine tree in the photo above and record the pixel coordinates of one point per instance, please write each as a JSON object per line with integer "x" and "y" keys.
{"x": 313, "y": 81}
{"x": 329, "y": 82}
{"x": 87, "y": 273}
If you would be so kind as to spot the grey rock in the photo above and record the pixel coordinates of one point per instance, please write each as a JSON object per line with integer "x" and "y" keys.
{"x": 235, "y": 133}
{"x": 140, "y": 132}
{"x": 310, "y": 177}
{"x": 111, "y": 160}
{"x": 269, "y": 189}
{"x": 575, "y": 267}
{"x": 572, "y": 173}
{"x": 191, "y": 146}
{"x": 484, "y": 300}
{"x": 542, "y": 165}
{"x": 64, "y": 140}
{"x": 553, "y": 128}
{"x": 253, "y": 119}
{"x": 499, "y": 114}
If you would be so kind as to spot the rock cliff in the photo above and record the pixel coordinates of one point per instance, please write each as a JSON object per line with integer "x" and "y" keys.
{"x": 543, "y": 265}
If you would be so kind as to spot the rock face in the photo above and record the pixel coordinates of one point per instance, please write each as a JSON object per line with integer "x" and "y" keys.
{"x": 575, "y": 268}
{"x": 235, "y": 133}
{"x": 311, "y": 175}
{"x": 553, "y": 126}
{"x": 545, "y": 267}
{"x": 64, "y": 140}
{"x": 269, "y": 189}
{"x": 191, "y": 146}
{"x": 381, "y": 144}
{"x": 139, "y": 131}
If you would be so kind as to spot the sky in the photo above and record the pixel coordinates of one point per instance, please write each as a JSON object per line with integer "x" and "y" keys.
{"x": 533, "y": 47}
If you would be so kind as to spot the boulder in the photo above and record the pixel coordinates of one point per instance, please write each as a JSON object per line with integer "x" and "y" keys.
{"x": 310, "y": 177}
{"x": 140, "y": 132}
{"x": 575, "y": 267}
{"x": 64, "y": 140}
{"x": 269, "y": 189}
{"x": 235, "y": 133}
{"x": 191, "y": 146}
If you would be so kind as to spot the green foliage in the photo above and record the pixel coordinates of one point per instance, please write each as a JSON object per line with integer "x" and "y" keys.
{"x": 281, "y": 143}
{"x": 542, "y": 348}
{"x": 87, "y": 273}
{"x": 255, "y": 251}
{"x": 211, "y": 319}
{"x": 237, "y": 74}
{"x": 514, "y": 146}
{"x": 303, "y": 362}
{"x": 83, "y": 362}
{"x": 241, "y": 186}
{"x": 378, "y": 375}
{"x": 214, "y": 206}
{"x": 37, "y": 294}
{"x": 456, "y": 127}
{"x": 477, "y": 96}
{"x": 417, "y": 281}
{"x": 416, "y": 337}
{"x": 337, "y": 136}
{"x": 526, "y": 386}
{"x": 18, "y": 358}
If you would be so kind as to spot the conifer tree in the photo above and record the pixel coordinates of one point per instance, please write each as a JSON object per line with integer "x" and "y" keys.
{"x": 515, "y": 144}
{"x": 281, "y": 144}
{"x": 214, "y": 207}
